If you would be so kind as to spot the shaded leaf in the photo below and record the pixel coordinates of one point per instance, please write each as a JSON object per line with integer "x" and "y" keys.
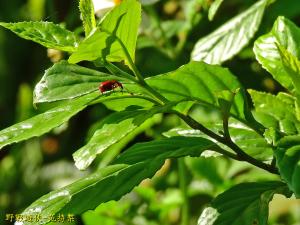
{"x": 286, "y": 34}
{"x": 44, "y": 122}
{"x": 246, "y": 203}
{"x": 288, "y": 162}
{"x": 47, "y": 34}
{"x": 206, "y": 168}
{"x": 122, "y": 103}
{"x": 107, "y": 41}
{"x": 230, "y": 38}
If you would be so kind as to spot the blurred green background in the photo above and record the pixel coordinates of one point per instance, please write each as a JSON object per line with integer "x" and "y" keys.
{"x": 33, "y": 168}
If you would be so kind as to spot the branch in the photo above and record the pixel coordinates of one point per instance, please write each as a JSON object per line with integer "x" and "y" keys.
{"x": 240, "y": 154}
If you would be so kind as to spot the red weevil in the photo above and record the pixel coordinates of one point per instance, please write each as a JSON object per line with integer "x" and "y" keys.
{"x": 109, "y": 85}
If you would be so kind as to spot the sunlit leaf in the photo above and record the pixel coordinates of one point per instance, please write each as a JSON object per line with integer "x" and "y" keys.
{"x": 274, "y": 111}
{"x": 195, "y": 81}
{"x": 67, "y": 81}
{"x": 107, "y": 41}
{"x": 113, "y": 129}
{"x": 201, "y": 82}
{"x": 286, "y": 34}
{"x": 47, "y": 34}
{"x": 291, "y": 65}
{"x": 44, "y": 122}
{"x": 230, "y": 38}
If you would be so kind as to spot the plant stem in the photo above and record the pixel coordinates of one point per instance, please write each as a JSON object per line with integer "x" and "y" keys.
{"x": 140, "y": 79}
{"x": 241, "y": 155}
{"x": 185, "y": 211}
{"x": 226, "y": 128}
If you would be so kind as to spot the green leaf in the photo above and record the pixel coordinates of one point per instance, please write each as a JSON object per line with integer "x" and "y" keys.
{"x": 119, "y": 27}
{"x": 214, "y": 8}
{"x": 67, "y": 81}
{"x": 274, "y": 111}
{"x": 288, "y": 162}
{"x": 114, "y": 128}
{"x": 111, "y": 183}
{"x": 45, "y": 33}
{"x": 291, "y": 65}
{"x": 44, "y": 122}
{"x": 87, "y": 12}
{"x": 286, "y": 34}
{"x": 230, "y": 38}
{"x": 246, "y": 138}
{"x": 243, "y": 204}
{"x": 195, "y": 81}
{"x": 201, "y": 82}
{"x": 173, "y": 147}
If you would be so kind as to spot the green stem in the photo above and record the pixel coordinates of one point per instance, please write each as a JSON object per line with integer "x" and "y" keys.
{"x": 185, "y": 212}
{"x": 140, "y": 78}
{"x": 226, "y": 128}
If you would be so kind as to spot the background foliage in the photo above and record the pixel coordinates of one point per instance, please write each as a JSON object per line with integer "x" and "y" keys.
{"x": 30, "y": 169}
